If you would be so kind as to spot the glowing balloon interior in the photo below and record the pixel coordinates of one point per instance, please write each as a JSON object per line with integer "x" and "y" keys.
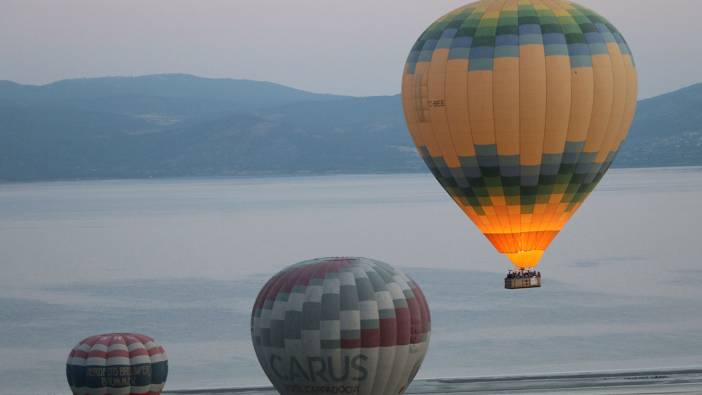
{"x": 340, "y": 326}
{"x": 518, "y": 107}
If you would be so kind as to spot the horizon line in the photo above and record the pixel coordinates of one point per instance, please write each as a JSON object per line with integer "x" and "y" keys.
{"x": 196, "y": 76}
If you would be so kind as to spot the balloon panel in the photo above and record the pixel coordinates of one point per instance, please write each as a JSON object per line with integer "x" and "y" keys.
{"x": 118, "y": 363}
{"x": 519, "y": 107}
{"x": 340, "y": 325}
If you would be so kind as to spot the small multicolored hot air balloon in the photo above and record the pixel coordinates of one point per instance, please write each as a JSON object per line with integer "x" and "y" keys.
{"x": 340, "y": 326}
{"x": 519, "y": 107}
{"x": 117, "y": 363}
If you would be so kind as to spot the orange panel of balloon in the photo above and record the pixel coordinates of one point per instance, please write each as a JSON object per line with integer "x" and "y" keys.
{"x": 340, "y": 326}
{"x": 518, "y": 108}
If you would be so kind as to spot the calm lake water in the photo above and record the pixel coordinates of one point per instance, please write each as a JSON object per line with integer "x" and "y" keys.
{"x": 182, "y": 261}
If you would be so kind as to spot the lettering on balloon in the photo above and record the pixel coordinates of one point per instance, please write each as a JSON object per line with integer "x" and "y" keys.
{"x": 119, "y": 376}
{"x": 436, "y": 103}
{"x": 319, "y": 370}
{"x": 324, "y": 389}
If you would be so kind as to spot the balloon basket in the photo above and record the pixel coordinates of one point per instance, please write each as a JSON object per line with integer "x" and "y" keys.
{"x": 523, "y": 279}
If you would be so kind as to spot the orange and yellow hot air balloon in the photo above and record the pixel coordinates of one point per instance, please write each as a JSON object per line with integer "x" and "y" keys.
{"x": 518, "y": 108}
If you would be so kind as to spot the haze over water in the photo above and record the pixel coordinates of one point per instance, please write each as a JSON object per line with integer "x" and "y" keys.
{"x": 182, "y": 260}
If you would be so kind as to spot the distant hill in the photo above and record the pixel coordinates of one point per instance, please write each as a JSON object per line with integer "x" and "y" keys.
{"x": 667, "y": 131}
{"x": 156, "y": 97}
{"x": 181, "y": 125}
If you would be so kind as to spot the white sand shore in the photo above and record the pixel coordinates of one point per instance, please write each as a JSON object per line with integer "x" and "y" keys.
{"x": 680, "y": 381}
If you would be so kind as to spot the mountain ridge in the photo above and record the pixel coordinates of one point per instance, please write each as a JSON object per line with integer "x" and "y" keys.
{"x": 179, "y": 125}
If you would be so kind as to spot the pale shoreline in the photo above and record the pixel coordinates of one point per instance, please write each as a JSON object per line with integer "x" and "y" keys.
{"x": 285, "y": 176}
{"x": 661, "y": 381}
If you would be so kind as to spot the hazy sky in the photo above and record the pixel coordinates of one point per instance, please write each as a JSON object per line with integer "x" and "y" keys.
{"x": 350, "y": 47}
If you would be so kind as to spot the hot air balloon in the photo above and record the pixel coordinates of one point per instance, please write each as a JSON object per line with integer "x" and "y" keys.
{"x": 340, "y": 326}
{"x": 518, "y": 108}
{"x": 117, "y": 363}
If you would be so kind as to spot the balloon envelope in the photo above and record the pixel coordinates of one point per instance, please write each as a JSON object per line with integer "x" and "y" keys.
{"x": 117, "y": 363}
{"x": 518, "y": 107}
{"x": 340, "y": 325}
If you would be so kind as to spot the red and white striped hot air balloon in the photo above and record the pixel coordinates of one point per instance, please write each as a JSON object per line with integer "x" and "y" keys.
{"x": 117, "y": 364}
